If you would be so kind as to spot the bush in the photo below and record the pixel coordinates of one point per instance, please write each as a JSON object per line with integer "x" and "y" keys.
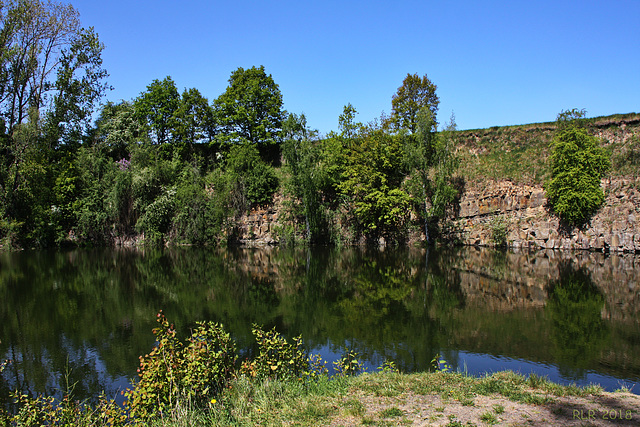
{"x": 196, "y": 369}
{"x": 199, "y": 214}
{"x": 278, "y": 358}
{"x": 578, "y": 164}
{"x": 254, "y": 179}
{"x": 499, "y": 231}
{"x": 156, "y": 219}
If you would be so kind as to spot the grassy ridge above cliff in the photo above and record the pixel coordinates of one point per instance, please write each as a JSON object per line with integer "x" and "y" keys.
{"x": 520, "y": 153}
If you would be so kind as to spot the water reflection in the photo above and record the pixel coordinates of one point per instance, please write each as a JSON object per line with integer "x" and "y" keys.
{"x": 578, "y": 332}
{"x": 90, "y": 313}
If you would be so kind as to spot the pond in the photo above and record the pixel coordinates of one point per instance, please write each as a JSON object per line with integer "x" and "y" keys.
{"x": 81, "y": 318}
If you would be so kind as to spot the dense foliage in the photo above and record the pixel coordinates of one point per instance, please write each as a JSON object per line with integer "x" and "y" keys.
{"x": 170, "y": 166}
{"x": 578, "y": 163}
{"x": 195, "y": 371}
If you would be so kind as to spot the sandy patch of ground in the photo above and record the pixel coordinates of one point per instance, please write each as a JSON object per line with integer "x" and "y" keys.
{"x": 606, "y": 409}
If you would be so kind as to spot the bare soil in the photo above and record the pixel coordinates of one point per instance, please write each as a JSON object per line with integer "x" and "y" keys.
{"x": 604, "y": 409}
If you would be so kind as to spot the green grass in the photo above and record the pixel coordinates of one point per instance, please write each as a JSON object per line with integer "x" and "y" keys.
{"x": 520, "y": 153}
{"x": 488, "y": 418}
{"x": 248, "y": 402}
{"x": 391, "y": 412}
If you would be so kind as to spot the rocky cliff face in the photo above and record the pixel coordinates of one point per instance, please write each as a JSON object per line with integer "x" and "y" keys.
{"x": 522, "y": 211}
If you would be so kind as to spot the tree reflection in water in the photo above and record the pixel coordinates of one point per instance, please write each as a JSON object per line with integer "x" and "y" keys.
{"x": 93, "y": 310}
{"x": 578, "y": 331}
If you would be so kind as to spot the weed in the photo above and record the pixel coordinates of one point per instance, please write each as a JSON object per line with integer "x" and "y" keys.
{"x": 368, "y": 421}
{"x": 354, "y": 407}
{"x": 536, "y": 381}
{"x": 391, "y": 412}
{"x": 389, "y": 366}
{"x": 499, "y": 230}
{"x": 440, "y": 364}
{"x": 467, "y": 401}
{"x": 454, "y": 422}
{"x": 498, "y": 409}
{"x": 348, "y": 364}
{"x": 488, "y": 418}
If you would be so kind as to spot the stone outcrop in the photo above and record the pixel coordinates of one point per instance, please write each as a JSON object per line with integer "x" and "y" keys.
{"x": 258, "y": 227}
{"x": 520, "y": 209}
{"x": 523, "y": 211}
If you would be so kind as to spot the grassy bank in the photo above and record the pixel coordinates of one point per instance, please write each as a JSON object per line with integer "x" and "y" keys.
{"x": 435, "y": 398}
{"x": 391, "y": 398}
{"x": 199, "y": 380}
{"x": 520, "y": 153}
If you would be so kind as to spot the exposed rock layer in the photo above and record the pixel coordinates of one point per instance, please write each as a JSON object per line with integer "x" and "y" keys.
{"x": 523, "y": 210}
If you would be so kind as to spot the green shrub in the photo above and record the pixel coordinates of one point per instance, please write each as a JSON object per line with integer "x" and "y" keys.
{"x": 199, "y": 214}
{"x": 578, "y": 164}
{"x": 196, "y": 369}
{"x": 278, "y": 358}
{"x": 157, "y": 217}
{"x": 348, "y": 364}
{"x": 499, "y": 230}
{"x": 45, "y": 411}
{"x": 254, "y": 179}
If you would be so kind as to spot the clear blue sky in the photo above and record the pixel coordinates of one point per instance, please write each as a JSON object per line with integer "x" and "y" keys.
{"x": 494, "y": 62}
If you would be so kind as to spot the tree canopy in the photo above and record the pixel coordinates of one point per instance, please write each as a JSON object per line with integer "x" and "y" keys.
{"x": 51, "y": 78}
{"x": 156, "y": 108}
{"x": 169, "y": 164}
{"x": 251, "y": 108}
{"x": 415, "y": 93}
{"x": 578, "y": 163}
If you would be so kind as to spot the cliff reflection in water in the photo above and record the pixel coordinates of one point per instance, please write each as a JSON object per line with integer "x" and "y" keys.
{"x": 92, "y": 311}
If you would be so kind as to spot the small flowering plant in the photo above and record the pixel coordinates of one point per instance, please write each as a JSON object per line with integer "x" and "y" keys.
{"x": 123, "y": 164}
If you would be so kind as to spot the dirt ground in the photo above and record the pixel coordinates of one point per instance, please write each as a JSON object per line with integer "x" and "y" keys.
{"x": 606, "y": 409}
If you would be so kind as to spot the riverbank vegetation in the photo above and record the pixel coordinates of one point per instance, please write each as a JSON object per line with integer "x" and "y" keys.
{"x": 173, "y": 166}
{"x": 203, "y": 380}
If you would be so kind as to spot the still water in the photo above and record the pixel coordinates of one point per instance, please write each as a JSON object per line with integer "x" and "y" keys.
{"x": 83, "y": 317}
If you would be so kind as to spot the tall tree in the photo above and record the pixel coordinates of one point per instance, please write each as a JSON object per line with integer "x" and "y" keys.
{"x": 51, "y": 78}
{"x": 33, "y": 41}
{"x": 373, "y": 172}
{"x": 193, "y": 120}
{"x": 302, "y": 158}
{"x": 415, "y": 93}
{"x": 251, "y": 109}
{"x": 432, "y": 161}
{"x": 116, "y": 127}
{"x": 156, "y": 108}
{"x": 79, "y": 85}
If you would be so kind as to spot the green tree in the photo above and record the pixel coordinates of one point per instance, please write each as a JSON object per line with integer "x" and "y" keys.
{"x": 51, "y": 78}
{"x": 193, "y": 121}
{"x": 80, "y": 84}
{"x": 415, "y": 94}
{"x": 156, "y": 108}
{"x": 117, "y": 127}
{"x": 302, "y": 158}
{"x": 250, "y": 109}
{"x": 578, "y": 163}
{"x": 347, "y": 124}
{"x": 432, "y": 162}
{"x": 372, "y": 180}
{"x": 33, "y": 40}
{"x": 253, "y": 181}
